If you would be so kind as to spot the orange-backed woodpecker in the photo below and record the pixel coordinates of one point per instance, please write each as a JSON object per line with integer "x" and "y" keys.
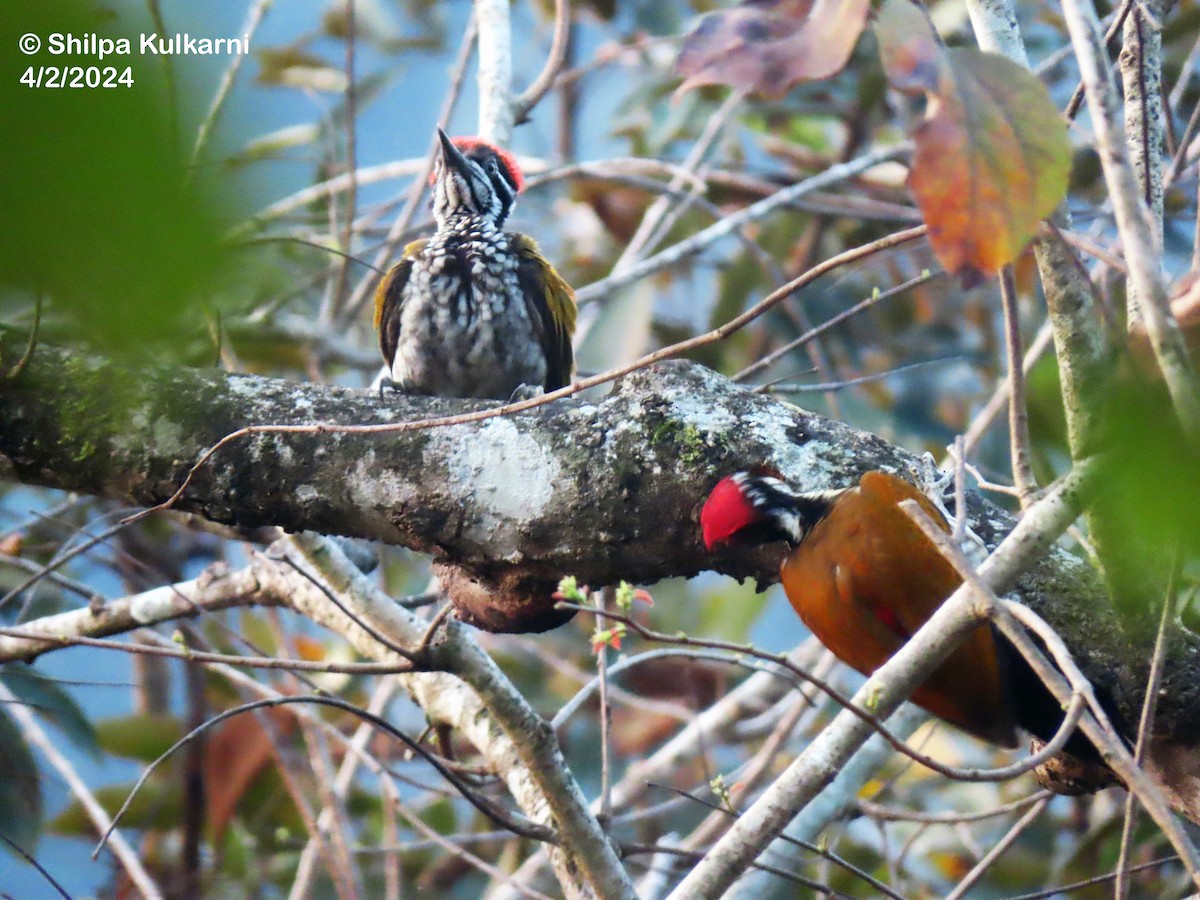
{"x": 864, "y": 578}
{"x": 475, "y": 311}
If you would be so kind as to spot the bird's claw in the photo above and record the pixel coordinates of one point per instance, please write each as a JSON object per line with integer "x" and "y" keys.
{"x": 933, "y": 480}
{"x": 526, "y": 392}
{"x": 396, "y": 386}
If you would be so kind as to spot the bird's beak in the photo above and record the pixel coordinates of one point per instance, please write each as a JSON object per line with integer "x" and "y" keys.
{"x": 452, "y": 157}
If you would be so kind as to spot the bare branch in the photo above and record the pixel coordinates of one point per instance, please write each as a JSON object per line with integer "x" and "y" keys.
{"x": 533, "y": 94}
{"x": 496, "y": 108}
{"x": 1134, "y": 221}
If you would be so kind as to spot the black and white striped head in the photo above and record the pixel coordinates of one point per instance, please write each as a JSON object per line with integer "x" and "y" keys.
{"x": 752, "y": 507}
{"x": 473, "y": 179}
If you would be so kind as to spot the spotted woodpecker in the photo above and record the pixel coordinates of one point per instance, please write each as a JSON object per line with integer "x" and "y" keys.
{"x": 475, "y": 311}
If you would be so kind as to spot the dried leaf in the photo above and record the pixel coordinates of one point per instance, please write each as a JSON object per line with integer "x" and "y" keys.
{"x": 909, "y": 48}
{"x": 238, "y": 751}
{"x": 768, "y": 46}
{"x": 992, "y": 156}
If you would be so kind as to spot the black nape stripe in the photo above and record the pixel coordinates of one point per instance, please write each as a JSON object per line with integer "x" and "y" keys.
{"x": 477, "y": 204}
{"x": 505, "y": 191}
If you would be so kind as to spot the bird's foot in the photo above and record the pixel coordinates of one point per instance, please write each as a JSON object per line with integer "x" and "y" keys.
{"x": 526, "y": 392}
{"x": 395, "y": 385}
{"x": 936, "y": 484}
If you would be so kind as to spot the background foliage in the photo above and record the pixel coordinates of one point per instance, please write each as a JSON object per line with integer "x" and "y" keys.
{"x": 149, "y": 242}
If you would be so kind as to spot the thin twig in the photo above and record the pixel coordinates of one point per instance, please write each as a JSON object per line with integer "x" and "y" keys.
{"x": 629, "y": 850}
{"x": 412, "y": 656}
{"x": 1089, "y": 882}
{"x": 427, "y": 638}
{"x": 555, "y": 59}
{"x": 1185, "y": 144}
{"x": 890, "y": 814}
{"x": 876, "y": 297}
{"x": 971, "y": 878}
{"x": 350, "y": 115}
{"x": 602, "y": 599}
{"x": 1000, "y": 397}
{"x": 253, "y": 18}
{"x": 29, "y": 858}
{"x": 789, "y": 384}
{"x": 248, "y": 662}
{"x": 655, "y": 221}
{"x": 1146, "y": 725}
{"x": 719, "y": 809}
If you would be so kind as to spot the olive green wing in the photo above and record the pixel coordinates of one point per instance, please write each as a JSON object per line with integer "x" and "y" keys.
{"x": 389, "y": 301}
{"x": 552, "y": 309}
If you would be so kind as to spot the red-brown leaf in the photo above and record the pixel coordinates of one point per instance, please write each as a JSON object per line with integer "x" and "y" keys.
{"x": 768, "y": 46}
{"x": 237, "y": 753}
{"x": 992, "y": 156}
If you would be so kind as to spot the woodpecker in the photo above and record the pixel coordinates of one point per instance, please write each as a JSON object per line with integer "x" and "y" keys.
{"x": 475, "y": 311}
{"x": 863, "y": 578}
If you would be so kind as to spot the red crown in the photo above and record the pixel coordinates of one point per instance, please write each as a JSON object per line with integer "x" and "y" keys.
{"x": 467, "y": 144}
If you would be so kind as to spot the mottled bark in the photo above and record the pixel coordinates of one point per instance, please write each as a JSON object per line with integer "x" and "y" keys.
{"x": 602, "y": 488}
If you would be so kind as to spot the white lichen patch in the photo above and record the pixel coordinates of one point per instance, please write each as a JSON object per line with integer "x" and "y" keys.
{"x": 302, "y": 406}
{"x": 166, "y": 437}
{"x": 373, "y": 486}
{"x": 247, "y": 387}
{"x": 131, "y": 439}
{"x": 284, "y": 453}
{"x": 504, "y": 474}
{"x": 159, "y": 603}
{"x": 697, "y": 410}
{"x": 306, "y": 493}
{"x": 812, "y": 457}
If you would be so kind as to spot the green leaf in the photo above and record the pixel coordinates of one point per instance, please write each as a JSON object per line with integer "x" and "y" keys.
{"x": 102, "y": 215}
{"x": 158, "y": 805}
{"x": 54, "y": 704}
{"x": 141, "y": 737}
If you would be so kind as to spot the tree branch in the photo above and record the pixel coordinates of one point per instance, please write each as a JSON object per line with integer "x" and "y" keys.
{"x": 603, "y": 489}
